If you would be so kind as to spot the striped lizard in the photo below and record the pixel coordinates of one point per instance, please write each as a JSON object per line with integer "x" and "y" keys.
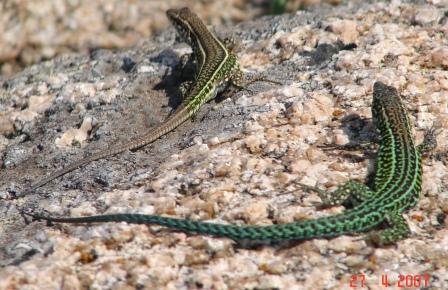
{"x": 216, "y": 69}
{"x": 396, "y": 189}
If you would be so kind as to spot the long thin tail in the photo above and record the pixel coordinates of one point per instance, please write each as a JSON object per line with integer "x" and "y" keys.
{"x": 177, "y": 118}
{"x": 266, "y": 234}
{"x": 74, "y": 166}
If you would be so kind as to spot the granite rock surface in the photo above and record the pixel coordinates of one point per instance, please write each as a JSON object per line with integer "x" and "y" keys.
{"x": 238, "y": 162}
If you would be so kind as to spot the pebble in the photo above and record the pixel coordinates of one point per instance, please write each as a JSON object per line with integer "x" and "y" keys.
{"x": 255, "y": 212}
{"x": 250, "y": 178}
{"x": 346, "y": 29}
{"x": 275, "y": 267}
{"x": 427, "y": 15}
{"x": 345, "y": 244}
{"x": 444, "y": 203}
{"x": 353, "y": 261}
{"x": 72, "y": 136}
{"x": 254, "y": 143}
{"x": 439, "y": 57}
{"x": 39, "y": 104}
{"x": 6, "y": 125}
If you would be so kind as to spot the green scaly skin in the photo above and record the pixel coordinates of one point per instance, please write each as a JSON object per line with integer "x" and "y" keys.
{"x": 397, "y": 186}
{"x": 216, "y": 68}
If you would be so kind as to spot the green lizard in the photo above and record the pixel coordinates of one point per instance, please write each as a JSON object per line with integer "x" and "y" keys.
{"x": 216, "y": 68}
{"x": 396, "y": 189}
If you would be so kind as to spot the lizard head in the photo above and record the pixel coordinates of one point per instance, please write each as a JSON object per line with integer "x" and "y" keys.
{"x": 388, "y": 111}
{"x": 182, "y": 19}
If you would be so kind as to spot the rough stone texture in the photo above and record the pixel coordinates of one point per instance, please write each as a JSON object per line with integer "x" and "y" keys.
{"x": 236, "y": 163}
{"x": 36, "y": 30}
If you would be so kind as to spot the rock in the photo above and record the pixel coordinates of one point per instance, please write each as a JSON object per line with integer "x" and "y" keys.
{"x": 76, "y": 136}
{"x": 238, "y": 163}
{"x": 427, "y": 15}
{"x": 346, "y": 29}
{"x": 439, "y": 57}
{"x": 6, "y": 125}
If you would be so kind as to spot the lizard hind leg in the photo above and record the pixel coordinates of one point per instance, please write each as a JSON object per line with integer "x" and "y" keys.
{"x": 368, "y": 147}
{"x": 240, "y": 82}
{"x": 398, "y": 229}
{"x": 352, "y": 191}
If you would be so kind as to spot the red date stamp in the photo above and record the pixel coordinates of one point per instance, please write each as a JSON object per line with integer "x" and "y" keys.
{"x": 404, "y": 281}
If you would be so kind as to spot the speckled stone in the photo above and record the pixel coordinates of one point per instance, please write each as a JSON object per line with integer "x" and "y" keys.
{"x": 239, "y": 162}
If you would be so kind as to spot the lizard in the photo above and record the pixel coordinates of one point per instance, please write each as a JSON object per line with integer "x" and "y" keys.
{"x": 216, "y": 69}
{"x": 396, "y": 189}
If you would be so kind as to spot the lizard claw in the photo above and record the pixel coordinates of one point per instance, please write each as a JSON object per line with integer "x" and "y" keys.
{"x": 26, "y": 213}
{"x": 35, "y": 216}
